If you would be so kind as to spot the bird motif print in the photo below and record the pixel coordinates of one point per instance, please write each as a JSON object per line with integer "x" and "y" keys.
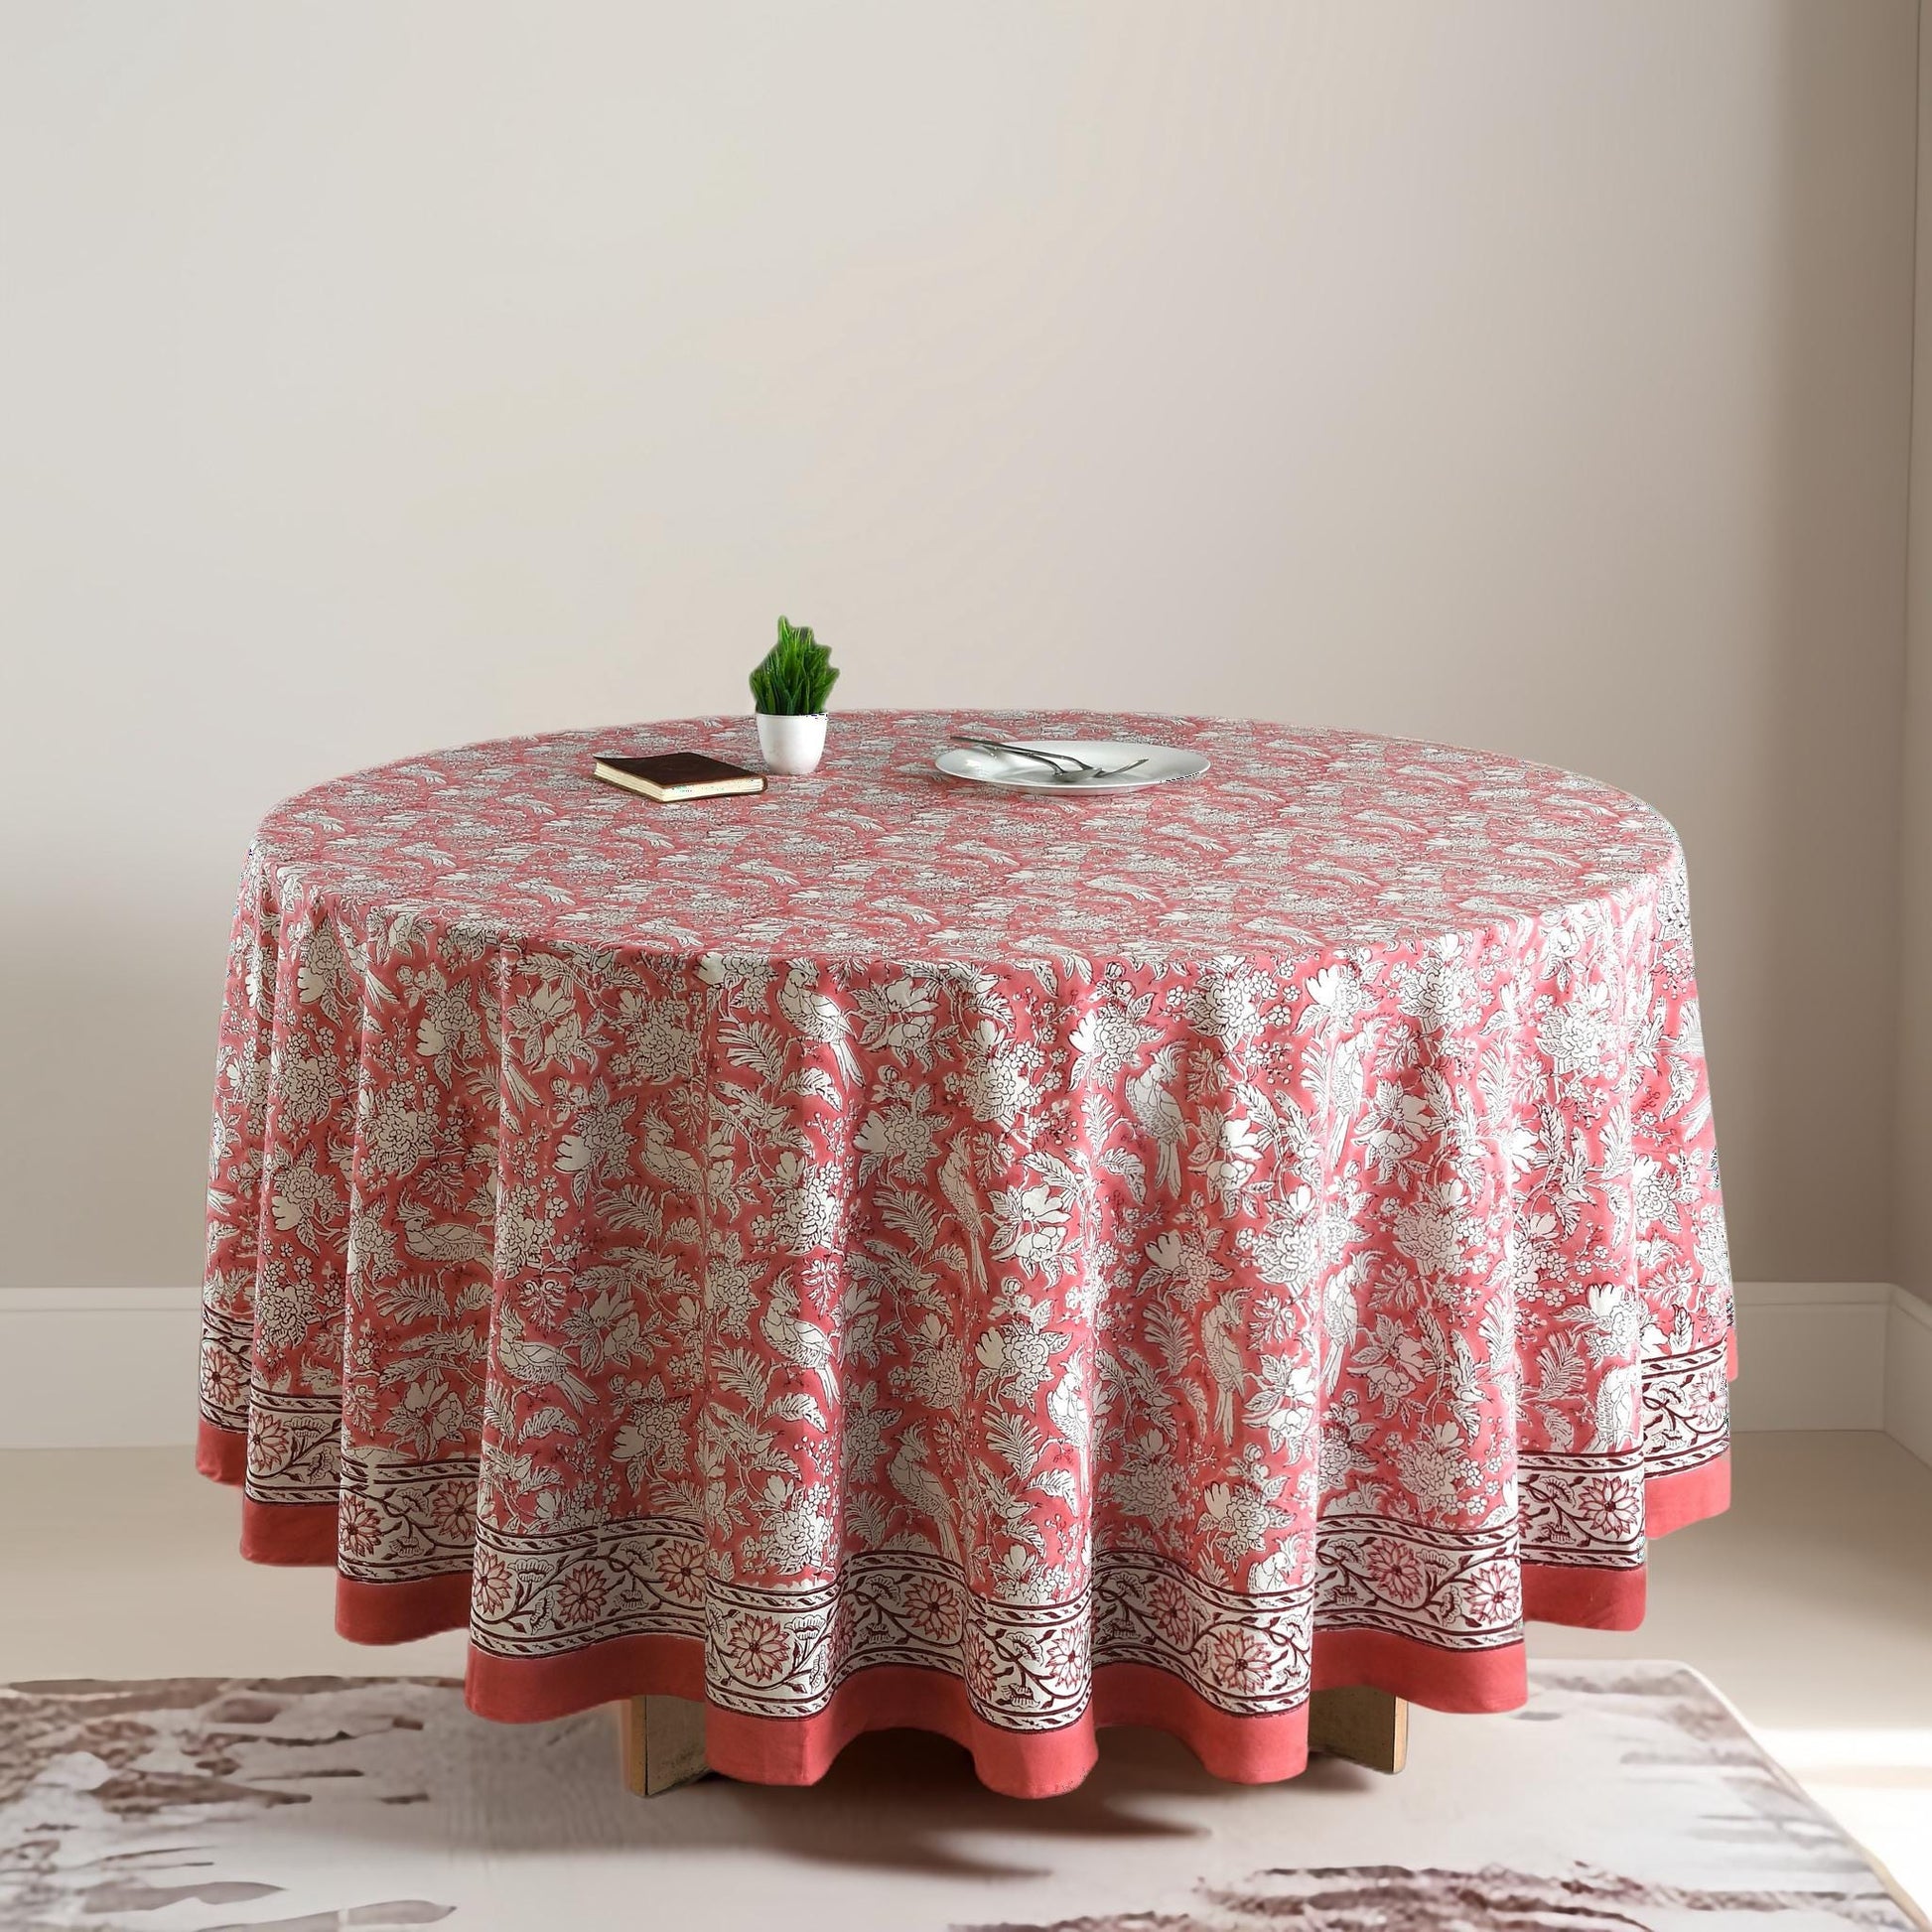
{"x": 1617, "y": 1412}
{"x": 446, "y": 1241}
{"x": 1067, "y": 1404}
{"x": 911, "y": 1476}
{"x": 801, "y": 1342}
{"x": 536, "y": 1364}
{"x": 956, "y": 1184}
{"x": 818, "y": 1016}
{"x": 1339, "y": 1290}
{"x": 1223, "y": 1347}
{"x": 1150, "y": 1096}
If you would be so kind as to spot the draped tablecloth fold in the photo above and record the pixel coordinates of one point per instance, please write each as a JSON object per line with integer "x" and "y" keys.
{"x": 883, "y": 1252}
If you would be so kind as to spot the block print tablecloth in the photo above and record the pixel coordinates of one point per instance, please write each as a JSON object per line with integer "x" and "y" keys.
{"x": 894, "y": 1252}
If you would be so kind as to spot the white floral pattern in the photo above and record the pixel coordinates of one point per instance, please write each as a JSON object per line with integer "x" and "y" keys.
{"x": 882, "y": 1221}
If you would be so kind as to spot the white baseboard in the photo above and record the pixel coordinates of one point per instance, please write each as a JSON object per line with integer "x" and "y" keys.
{"x": 1834, "y": 1355}
{"x": 1811, "y": 1355}
{"x": 1908, "y": 1374}
{"x": 99, "y": 1367}
{"x": 115, "y": 1368}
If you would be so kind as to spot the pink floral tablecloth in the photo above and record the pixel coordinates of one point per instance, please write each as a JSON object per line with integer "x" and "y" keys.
{"x": 896, "y": 1252}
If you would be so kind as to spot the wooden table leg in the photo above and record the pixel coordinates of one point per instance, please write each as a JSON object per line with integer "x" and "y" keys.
{"x": 663, "y": 1742}
{"x": 663, "y": 1738}
{"x": 1364, "y": 1726}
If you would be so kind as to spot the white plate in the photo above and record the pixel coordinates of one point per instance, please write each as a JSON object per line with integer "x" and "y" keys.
{"x": 1161, "y": 764}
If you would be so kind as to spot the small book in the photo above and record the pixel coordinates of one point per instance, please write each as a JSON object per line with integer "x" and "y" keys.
{"x": 671, "y": 776}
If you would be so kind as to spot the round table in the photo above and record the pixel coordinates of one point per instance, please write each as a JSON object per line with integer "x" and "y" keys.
{"x": 889, "y": 1251}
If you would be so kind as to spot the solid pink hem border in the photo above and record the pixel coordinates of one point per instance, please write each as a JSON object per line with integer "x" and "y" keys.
{"x": 1674, "y": 1502}
{"x": 1018, "y": 1764}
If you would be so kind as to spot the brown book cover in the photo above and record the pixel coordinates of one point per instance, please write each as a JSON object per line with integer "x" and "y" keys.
{"x": 671, "y": 776}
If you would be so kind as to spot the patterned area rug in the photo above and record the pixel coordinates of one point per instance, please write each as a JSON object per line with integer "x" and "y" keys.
{"x": 1624, "y": 1798}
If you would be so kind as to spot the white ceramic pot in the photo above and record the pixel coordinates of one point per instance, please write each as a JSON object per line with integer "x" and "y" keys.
{"x": 792, "y": 744}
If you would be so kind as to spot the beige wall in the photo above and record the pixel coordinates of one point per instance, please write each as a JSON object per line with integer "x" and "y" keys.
{"x": 1913, "y": 1257}
{"x": 374, "y": 377}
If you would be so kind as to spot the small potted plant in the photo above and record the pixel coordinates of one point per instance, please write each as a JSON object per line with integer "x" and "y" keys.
{"x": 789, "y": 688}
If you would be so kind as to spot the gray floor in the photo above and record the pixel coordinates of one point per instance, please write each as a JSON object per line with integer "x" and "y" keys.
{"x": 1808, "y": 1606}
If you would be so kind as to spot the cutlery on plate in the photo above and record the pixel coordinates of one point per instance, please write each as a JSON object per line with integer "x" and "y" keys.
{"x": 1056, "y": 761}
